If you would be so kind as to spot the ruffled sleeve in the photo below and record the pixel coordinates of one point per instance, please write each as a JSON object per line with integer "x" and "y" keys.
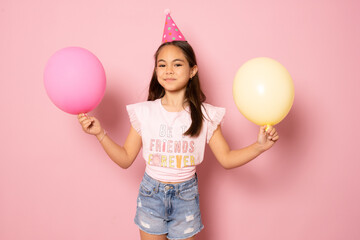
{"x": 213, "y": 116}
{"x": 134, "y": 119}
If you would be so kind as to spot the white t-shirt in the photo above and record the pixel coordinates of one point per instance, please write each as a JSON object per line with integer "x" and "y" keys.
{"x": 169, "y": 155}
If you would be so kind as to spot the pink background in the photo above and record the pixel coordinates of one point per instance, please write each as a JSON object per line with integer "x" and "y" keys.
{"x": 57, "y": 183}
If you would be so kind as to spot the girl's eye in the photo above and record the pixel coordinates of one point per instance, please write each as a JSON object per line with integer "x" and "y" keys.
{"x": 178, "y": 65}
{"x": 161, "y": 65}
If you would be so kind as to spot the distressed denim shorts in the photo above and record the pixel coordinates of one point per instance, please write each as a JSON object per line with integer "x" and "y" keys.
{"x": 171, "y": 209}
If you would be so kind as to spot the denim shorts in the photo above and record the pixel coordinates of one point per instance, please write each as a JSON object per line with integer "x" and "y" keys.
{"x": 171, "y": 209}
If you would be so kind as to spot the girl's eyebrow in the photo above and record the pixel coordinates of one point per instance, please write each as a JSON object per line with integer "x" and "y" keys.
{"x": 178, "y": 60}
{"x": 175, "y": 60}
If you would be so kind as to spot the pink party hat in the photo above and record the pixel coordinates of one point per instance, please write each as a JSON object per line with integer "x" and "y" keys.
{"x": 171, "y": 31}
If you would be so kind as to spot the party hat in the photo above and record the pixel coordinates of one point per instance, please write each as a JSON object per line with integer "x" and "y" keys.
{"x": 171, "y": 31}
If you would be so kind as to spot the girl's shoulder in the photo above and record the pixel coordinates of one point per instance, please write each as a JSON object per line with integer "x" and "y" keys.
{"x": 211, "y": 111}
{"x": 140, "y": 112}
{"x": 211, "y": 108}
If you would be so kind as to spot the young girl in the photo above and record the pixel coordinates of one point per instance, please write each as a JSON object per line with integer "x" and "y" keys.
{"x": 172, "y": 127}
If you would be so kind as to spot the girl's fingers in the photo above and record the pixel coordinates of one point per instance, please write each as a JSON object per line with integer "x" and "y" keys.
{"x": 81, "y": 115}
{"x": 87, "y": 125}
{"x": 275, "y": 138}
{"x": 272, "y": 134}
{"x": 86, "y": 121}
{"x": 263, "y": 129}
{"x": 273, "y": 131}
{"x": 81, "y": 120}
{"x": 86, "y": 118}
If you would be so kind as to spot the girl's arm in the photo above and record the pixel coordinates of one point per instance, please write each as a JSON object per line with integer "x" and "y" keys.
{"x": 235, "y": 158}
{"x": 125, "y": 155}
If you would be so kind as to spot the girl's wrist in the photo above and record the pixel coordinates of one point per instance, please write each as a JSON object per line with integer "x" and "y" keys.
{"x": 101, "y": 135}
{"x": 259, "y": 147}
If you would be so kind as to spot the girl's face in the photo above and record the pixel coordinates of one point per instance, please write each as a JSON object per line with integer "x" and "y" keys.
{"x": 173, "y": 70}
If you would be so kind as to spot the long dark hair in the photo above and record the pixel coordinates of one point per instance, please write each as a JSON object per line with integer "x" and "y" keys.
{"x": 193, "y": 94}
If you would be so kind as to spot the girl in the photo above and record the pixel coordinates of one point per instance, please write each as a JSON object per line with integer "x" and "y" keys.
{"x": 172, "y": 127}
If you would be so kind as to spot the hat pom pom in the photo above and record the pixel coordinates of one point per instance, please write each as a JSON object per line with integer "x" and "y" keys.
{"x": 167, "y": 11}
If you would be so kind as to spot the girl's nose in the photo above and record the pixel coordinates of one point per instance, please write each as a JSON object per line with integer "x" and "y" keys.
{"x": 169, "y": 70}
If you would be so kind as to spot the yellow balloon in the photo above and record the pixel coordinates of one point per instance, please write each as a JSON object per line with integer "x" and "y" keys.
{"x": 263, "y": 91}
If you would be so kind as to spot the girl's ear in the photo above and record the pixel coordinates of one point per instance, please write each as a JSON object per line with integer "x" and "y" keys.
{"x": 193, "y": 71}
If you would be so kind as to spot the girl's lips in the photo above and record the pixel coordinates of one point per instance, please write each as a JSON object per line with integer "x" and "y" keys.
{"x": 169, "y": 79}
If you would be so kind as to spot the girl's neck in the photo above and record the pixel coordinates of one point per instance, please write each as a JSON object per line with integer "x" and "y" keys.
{"x": 173, "y": 102}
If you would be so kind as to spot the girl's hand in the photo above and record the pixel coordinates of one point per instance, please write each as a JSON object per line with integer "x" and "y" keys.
{"x": 267, "y": 138}
{"x": 90, "y": 125}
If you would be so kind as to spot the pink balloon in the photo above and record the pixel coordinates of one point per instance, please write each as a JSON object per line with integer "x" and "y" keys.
{"x": 75, "y": 80}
